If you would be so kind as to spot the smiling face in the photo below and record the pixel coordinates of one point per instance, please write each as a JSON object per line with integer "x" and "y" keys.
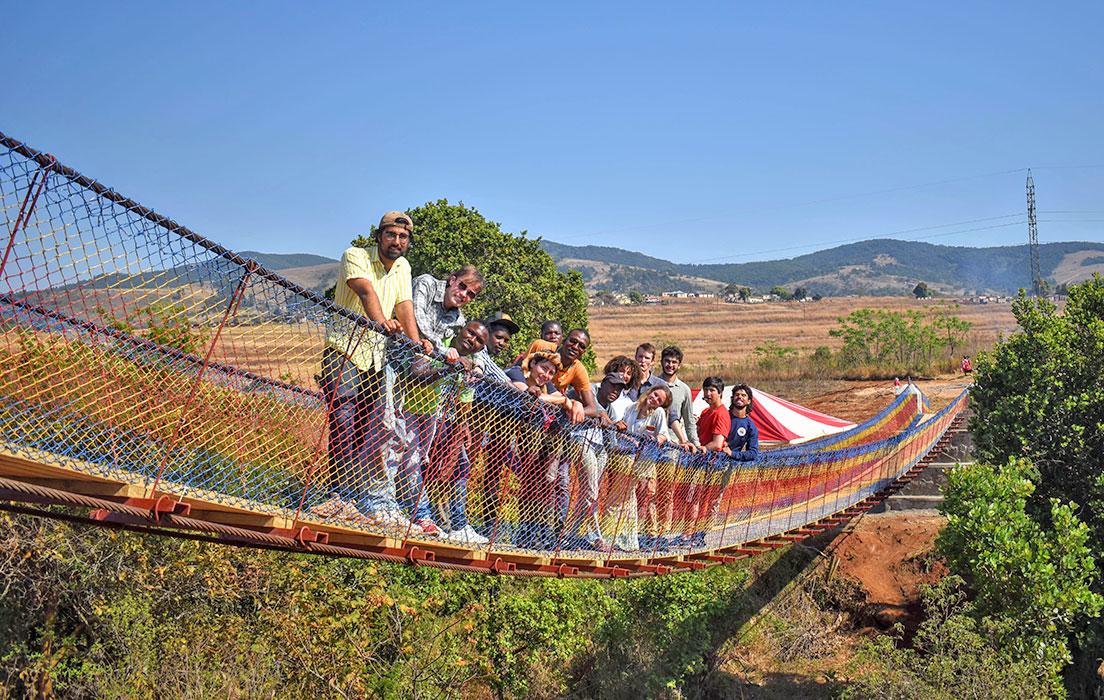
{"x": 740, "y": 400}
{"x": 461, "y": 290}
{"x": 541, "y": 372}
{"x": 656, "y": 398}
{"x": 574, "y": 347}
{"x": 627, "y": 373}
{"x": 472, "y": 338}
{"x": 671, "y": 365}
{"x": 644, "y": 358}
{"x": 393, "y": 242}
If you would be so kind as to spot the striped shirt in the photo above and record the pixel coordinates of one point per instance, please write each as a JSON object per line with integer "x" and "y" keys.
{"x": 392, "y": 287}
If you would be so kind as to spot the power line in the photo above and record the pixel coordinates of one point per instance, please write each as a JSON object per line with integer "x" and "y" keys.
{"x": 822, "y": 244}
{"x": 809, "y": 203}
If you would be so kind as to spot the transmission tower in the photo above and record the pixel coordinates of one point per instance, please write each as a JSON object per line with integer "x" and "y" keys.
{"x": 1033, "y": 239}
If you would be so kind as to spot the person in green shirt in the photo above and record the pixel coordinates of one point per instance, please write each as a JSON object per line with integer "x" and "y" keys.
{"x": 434, "y": 395}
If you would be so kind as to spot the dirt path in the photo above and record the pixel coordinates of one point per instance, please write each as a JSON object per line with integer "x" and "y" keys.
{"x": 881, "y": 563}
{"x": 890, "y": 556}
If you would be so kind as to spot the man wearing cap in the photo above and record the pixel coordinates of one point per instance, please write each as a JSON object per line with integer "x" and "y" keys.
{"x": 612, "y": 400}
{"x": 502, "y": 328}
{"x": 376, "y": 283}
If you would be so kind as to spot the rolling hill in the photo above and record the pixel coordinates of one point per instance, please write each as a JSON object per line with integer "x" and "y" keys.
{"x": 879, "y": 266}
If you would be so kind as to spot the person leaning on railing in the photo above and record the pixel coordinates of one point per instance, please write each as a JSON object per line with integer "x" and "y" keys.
{"x": 536, "y": 455}
{"x": 437, "y": 311}
{"x": 375, "y": 283}
{"x": 631, "y": 487}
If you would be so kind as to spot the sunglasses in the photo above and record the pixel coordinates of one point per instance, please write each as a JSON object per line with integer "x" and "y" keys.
{"x": 468, "y": 290}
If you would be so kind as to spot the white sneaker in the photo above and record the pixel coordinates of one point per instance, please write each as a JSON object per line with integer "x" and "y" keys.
{"x": 467, "y": 536}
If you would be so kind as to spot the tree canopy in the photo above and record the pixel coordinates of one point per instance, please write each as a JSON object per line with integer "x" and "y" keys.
{"x": 1040, "y": 394}
{"x": 522, "y": 279}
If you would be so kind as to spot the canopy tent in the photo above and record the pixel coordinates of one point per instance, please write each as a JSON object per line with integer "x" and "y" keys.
{"x": 782, "y": 421}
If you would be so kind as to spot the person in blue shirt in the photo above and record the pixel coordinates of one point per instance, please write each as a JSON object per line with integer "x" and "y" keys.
{"x": 742, "y": 445}
{"x": 743, "y": 436}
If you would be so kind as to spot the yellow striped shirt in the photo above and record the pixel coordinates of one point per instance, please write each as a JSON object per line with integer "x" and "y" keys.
{"x": 391, "y": 286}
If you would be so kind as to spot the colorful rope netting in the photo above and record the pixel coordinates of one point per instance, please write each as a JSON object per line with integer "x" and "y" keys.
{"x": 136, "y": 352}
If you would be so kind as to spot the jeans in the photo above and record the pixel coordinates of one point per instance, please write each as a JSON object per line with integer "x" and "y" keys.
{"x": 406, "y": 453}
{"x": 358, "y": 433}
{"x": 584, "y": 511}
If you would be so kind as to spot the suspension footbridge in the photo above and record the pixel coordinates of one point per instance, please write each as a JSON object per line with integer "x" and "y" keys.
{"x": 153, "y": 380}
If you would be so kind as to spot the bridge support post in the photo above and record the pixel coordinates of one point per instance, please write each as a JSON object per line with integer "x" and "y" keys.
{"x": 37, "y": 187}
{"x": 231, "y": 309}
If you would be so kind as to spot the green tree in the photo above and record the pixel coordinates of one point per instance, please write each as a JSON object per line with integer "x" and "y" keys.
{"x": 951, "y": 329}
{"x": 921, "y": 291}
{"x": 781, "y": 292}
{"x": 1034, "y": 576}
{"x": 636, "y": 297}
{"x": 522, "y": 279}
{"x": 744, "y": 294}
{"x": 800, "y": 293}
{"x": 1040, "y": 394}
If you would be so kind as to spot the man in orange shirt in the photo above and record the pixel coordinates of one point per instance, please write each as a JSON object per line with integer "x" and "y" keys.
{"x": 572, "y": 373}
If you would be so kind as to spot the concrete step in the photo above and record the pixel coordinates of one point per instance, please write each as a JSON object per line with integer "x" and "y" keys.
{"x": 901, "y": 501}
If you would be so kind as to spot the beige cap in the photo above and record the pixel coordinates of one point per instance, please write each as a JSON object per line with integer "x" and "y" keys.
{"x": 397, "y": 218}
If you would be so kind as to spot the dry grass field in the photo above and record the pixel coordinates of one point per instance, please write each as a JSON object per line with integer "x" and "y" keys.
{"x": 714, "y": 334}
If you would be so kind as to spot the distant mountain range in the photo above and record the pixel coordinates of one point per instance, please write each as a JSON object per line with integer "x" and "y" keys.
{"x": 879, "y": 267}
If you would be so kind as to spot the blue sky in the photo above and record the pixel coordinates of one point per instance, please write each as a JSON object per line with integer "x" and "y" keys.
{"x": 701, "y": 133}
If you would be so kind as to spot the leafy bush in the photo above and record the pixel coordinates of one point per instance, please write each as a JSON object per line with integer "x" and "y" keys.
{"x": 1040, "y": 394}
{"x": 86, "y": 612}
{"x": 899, "y": 341}
{"x": 1034, "y": 578}
{"x": 952, "y": 656}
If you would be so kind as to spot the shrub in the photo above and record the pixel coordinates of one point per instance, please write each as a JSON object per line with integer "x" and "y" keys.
{"x": 953, "y": 656}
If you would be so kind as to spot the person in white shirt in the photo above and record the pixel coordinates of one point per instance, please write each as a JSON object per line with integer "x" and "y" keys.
{"x": 629, "y": 478}
{"x": 584, "y": 528}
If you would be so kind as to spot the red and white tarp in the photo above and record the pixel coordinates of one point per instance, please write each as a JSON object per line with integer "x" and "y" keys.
{"x": 782, "y": 421}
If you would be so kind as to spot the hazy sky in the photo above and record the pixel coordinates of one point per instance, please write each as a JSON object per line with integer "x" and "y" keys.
{"x": 698, "y": 133}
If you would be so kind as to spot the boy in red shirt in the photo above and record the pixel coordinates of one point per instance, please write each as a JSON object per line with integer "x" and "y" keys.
{"x": 714, "y": 422}
{"x": 713, "y": 426}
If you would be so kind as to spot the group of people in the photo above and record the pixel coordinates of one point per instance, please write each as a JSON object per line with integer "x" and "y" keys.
{"x": 403, "y": 434}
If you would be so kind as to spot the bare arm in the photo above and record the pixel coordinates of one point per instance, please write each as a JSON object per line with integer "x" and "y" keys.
{"x": 586, "y": 397}
{"x": 404, "y": 312}
{"x": 369, "y": 300}
{"x": 716, "y": 444}
{"x": 676, "y": 426}
{"x": 572, "y": 407}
